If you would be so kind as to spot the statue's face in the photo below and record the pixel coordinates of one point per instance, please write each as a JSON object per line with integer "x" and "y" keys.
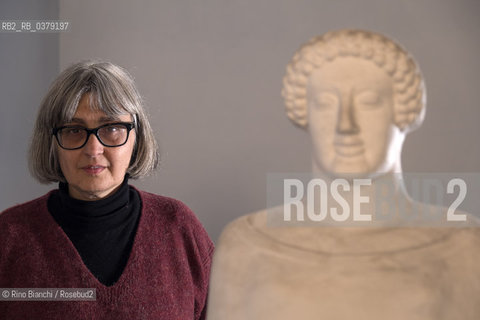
{"x": 350, "y": 118}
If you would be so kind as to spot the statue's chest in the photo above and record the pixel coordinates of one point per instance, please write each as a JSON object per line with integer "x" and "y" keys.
{"x": 336, "y": 288}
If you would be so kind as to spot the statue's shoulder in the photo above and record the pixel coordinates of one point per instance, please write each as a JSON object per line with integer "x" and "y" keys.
{"x": 253, "y": 224}
{"x": 242, "y": 228}
{"x": 439, "y": 216}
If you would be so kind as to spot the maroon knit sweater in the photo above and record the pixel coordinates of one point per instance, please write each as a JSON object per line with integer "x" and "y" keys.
{"x": 166, "y": 276}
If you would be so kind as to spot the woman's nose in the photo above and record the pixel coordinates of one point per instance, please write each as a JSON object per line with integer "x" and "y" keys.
{"x": 93, "y": 147}
{"x": 346, "y": 122}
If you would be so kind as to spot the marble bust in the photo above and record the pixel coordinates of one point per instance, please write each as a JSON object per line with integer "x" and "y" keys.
{"x": 358, "y": 94}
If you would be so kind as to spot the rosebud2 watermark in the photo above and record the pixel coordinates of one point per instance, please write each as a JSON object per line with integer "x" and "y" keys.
{"x": 317, "y": 190}
{"x": 426, "y": 199}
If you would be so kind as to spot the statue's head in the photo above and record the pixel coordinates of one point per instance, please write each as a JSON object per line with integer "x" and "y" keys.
{"x": 357, "y": 93}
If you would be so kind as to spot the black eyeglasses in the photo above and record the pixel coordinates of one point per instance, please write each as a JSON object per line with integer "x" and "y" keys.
{"x": 110, "y": 135}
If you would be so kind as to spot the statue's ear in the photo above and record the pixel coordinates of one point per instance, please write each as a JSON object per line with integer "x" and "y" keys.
{"x": 412, "y": 119}
{"x": 410, "y": 102}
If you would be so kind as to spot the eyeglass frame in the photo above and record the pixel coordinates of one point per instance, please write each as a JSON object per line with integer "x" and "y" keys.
{"x": 129, "y": 125}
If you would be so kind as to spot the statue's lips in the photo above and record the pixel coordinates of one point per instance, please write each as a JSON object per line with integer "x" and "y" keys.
{"x": 349, "y": 151}
{"x": 349, "y": 146}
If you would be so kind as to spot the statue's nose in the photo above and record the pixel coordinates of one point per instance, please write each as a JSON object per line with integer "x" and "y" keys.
{"x": 346, "y": 122}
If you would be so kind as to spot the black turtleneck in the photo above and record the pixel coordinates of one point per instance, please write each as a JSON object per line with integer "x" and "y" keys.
{"x": 102, "y": 231}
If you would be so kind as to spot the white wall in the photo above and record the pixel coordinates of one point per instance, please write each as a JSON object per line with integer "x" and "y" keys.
{"x": 28, "y": 63}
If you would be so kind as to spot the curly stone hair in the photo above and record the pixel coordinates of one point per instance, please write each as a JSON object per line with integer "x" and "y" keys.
{"x": 409, "y": 88}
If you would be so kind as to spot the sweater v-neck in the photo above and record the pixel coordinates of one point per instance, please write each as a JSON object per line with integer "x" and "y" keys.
{"x": 110, "y": 291}
{"x": 102, "y": 232}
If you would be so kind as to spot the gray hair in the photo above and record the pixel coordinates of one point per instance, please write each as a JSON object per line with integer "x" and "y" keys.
{"x": 409, "y": 88}
{"x": 113, "y": 92}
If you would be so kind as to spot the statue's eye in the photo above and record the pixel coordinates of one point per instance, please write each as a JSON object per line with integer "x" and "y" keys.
{"x": 326, "y": 100}
{"x": 368, "y": 99}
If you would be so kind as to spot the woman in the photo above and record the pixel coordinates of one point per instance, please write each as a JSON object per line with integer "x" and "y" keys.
{"x": 146, "y": 256}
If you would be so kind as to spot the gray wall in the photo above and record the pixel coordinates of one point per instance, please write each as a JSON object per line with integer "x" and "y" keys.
{"x": 211, "y": 71}
{"x": 28, "y": 63}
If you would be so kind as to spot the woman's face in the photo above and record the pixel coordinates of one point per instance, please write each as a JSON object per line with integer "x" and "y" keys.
{"x": 95, "y": 171}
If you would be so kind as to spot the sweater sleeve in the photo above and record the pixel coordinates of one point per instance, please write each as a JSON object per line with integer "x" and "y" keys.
{"x": 204, "y": 295}
{"x": 199, "y": 249}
